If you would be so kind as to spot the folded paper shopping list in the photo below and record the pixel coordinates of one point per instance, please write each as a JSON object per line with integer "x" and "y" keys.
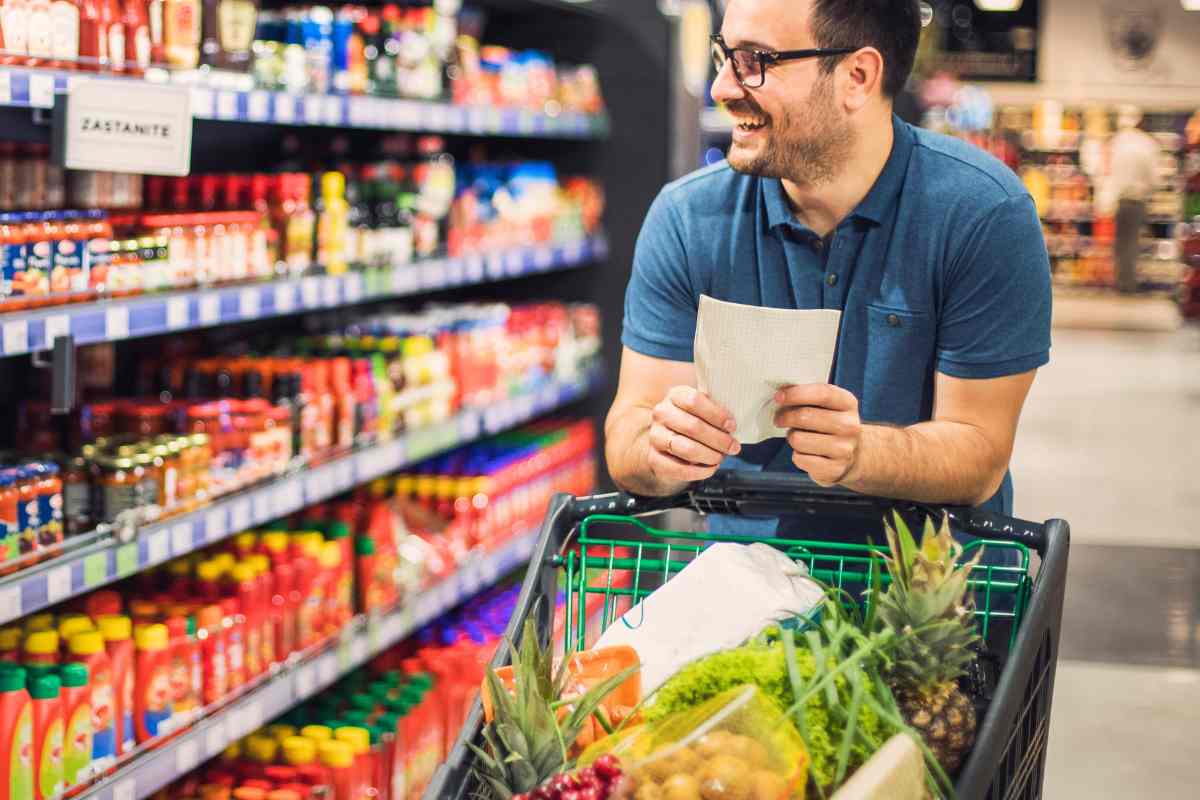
{"x": 744, "y": 354}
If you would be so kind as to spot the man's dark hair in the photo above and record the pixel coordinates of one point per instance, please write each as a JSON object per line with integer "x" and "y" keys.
{"x": 893, "y": 27}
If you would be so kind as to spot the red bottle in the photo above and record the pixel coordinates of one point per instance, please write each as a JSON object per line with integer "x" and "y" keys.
{"x": 213, "y": 657}
{"x": 234, "y": 625}
{"x": 242, "y": 588}
{"x": 118, "y": 642}
{"x": 182, "y": 653}
{"x": 136, "y": 21}
{"x": 152, "y": 708}
{"x": 45, "y": 691}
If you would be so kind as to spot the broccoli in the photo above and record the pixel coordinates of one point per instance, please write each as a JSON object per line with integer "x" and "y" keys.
{"x": 765, "y": 666}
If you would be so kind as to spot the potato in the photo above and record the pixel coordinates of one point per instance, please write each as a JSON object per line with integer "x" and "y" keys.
{"x": 649, "y": 791}
{"x": 749, "y": 749}
{"x": 713, "y": 744}
{"x": 766, "y": 785}
{"x": 683, "y": 760}
{"x": 681, "y": 786}
{"x": 725, "y": 777}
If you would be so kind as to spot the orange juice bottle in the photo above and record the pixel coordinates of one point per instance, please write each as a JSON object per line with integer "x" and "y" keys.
{"x": 118, "y": 642}
{"x": 88, "y": 648}
{"x": 45, "y": 694}
{"x": 16, "y": 734}
{"x": 152, "y": 692}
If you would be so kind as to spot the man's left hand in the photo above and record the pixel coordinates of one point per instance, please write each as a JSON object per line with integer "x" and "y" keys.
{"x": 825, "y": 430}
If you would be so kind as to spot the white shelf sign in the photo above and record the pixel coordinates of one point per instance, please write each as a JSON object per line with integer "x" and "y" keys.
{"x": 148, "y": 131}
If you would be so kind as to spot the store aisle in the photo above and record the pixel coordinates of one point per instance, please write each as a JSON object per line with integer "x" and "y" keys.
{"x": 1109, "y": 441}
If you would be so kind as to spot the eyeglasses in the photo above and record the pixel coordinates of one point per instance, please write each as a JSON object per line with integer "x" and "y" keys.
{"x": 750, "y": 66}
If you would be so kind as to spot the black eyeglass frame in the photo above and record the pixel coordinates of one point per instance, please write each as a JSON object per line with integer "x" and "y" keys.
{"x": 767, "y": 57}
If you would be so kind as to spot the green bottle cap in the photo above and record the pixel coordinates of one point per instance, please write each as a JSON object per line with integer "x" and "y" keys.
{"x": 336, "y": 530}
{"x": 74, "y": 674}
{"x": 422, "y": 679}
{"x": 393, "y": 677}
{"x": 412, "y": 694}
{"x": 364, "y": 546}
{"x": 45, "y": 687}
{"x": 12, "y": 678}
{"x": 37, "y": 670}
{"x": 332, "y": 724}
{"x": 380, "y": 691}
{"x": 376, "y": 734}
{"x": 356, "y": 717}
{"x": 362, "y": 701}
{"x": 389, "y": 722}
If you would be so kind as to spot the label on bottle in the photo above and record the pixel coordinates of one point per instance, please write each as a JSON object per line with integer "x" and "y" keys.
{"x": 181, "y": 33}
{"x": 116, "y": 45}
{"x": 40, "y": 40}
{"x": 235, "y": 25}
{"x": 12, "y": 268}
{"x": 140, "y": 48}
{"x": 64, "y": 21}
{"x": 14, "y": 18}
{"x": 119, "y": 498}
{"x": 50, "y": 766}
{"x": 68, "y": 273}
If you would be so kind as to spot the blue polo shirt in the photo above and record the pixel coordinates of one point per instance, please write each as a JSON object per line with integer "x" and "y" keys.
{"x": 941, "y": 268}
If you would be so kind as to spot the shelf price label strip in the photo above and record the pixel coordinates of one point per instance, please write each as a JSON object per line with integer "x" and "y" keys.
{"x": 72, "y": 575}
{"x": 90, "y": 323}
{"x": 295, "y": 683}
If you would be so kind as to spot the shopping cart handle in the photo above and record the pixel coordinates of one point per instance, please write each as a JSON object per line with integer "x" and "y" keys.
{"x": 772, "y": 494}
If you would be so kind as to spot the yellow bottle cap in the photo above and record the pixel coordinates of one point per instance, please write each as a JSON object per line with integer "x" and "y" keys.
{"x": 39, "y": 622}
{"x": 331, "y": 555}
{"x": 10, "y": 637}
{"x": 336, "y": 754}
{"x": 260, "y": 563}
{"x": 86, "y": 643}
{"x": 299, "y": 750}
{"x": 357, "y": 738}
{"x": 224, "y": 561}
{"x": 179, "y": 568}
{"x": 275, "y": 541}
{"x": 208, "y": 571}
{"x": 242, "y": 572}
{"x": 232, "y": 752}
{"x": 262, "y": 749}
{"x": 318, "y": 733}
{"x": 150, "y": 637}
{"x": 245, "y": 542}
{"x": 41, "y": 643}
{"x": 279, "y": 731}
{"x": 115, "y": 627}
{"x": 76, "y": 623}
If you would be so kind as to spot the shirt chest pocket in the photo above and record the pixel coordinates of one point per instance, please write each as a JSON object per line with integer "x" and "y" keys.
{"x": 898, "y": 373}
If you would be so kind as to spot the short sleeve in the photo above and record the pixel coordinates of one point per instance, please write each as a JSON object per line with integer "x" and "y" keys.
{"x": 996, "y": 297}
{"x": 660, "y": 305}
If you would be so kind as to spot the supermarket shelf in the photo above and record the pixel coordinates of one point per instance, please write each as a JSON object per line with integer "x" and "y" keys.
{"x": 31, "y": 88}
{"x": 115, "y": 558}
{"x": 113, "y": 320}
{"x": 294, "y": 683}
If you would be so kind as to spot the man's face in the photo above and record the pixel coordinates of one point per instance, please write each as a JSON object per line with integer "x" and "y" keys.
{"x": 792, "y": 126}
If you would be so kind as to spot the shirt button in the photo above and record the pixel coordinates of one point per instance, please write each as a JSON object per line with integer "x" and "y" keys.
{"x": 893, "y": 320}
{"x": 831, "y": 279}
{"x": 818, "y": 244}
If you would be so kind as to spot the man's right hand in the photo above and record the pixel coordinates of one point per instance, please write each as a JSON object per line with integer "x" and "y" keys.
{"x": 690, "y": 434}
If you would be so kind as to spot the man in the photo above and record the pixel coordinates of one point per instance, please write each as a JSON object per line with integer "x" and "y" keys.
{"x": 1133, "y": 155}
{"x": 931, "y": 248}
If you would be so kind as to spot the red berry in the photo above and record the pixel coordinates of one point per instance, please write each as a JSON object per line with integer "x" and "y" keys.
{"x": 591, "y": 792}
{"x": 607, "y": 766}
{"x": 572, "y": 794}
{"x": 542, "y": 793}
{"x": 561, "y": 783}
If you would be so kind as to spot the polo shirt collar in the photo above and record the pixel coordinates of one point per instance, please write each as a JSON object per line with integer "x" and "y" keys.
{"x": 875, "y": 205}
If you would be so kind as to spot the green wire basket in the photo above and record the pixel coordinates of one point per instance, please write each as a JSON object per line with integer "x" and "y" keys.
{"x": 626, "y": 559}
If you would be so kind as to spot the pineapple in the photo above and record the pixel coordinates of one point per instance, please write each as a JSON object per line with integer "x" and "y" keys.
{"x": 527, "y": 741}
{"x": 927, "y": 607}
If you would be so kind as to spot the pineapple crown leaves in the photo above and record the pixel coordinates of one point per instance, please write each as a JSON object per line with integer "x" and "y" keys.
{"x": 527, "y": 740}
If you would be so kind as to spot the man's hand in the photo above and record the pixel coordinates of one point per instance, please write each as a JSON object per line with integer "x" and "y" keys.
{"x": 689, "y": 436}
{"x": 825, "y": 430}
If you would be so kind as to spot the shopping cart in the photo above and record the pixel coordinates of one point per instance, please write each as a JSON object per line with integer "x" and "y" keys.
{"x": 602, "y": 551}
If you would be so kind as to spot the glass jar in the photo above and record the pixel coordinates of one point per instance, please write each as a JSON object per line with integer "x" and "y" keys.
{"x": 120, "y": 483}
{"x": 201, "y": 448}
{"x": 77, "y": 495}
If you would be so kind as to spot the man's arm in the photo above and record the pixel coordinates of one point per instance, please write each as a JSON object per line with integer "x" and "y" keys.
{"x": 662, "y": 433}
{"x": 958, "y": 457}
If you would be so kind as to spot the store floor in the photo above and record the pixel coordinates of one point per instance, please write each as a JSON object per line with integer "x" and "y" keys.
{"x": 1110, "y": 441}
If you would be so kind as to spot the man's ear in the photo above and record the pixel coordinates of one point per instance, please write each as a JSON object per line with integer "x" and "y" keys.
{"x": 862, "y": 77}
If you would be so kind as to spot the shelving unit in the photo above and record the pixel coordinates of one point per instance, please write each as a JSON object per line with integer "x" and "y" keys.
{"x": 115, "y": 320}
{"x": 305, "y": 676}
{"x": 241, "y": 129}
{"x": 118, "y": 554}
{"x": 36, "y": 88}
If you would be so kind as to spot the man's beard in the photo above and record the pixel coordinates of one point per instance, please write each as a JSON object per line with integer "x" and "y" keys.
{"x": 809, "y": 152}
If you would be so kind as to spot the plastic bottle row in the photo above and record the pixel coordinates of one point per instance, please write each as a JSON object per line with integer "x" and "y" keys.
{"x": 178, "y": 233}
{"x": 125, "y": 667}
{"x": 199, "y": 426}
{"x": 408, "y": 51}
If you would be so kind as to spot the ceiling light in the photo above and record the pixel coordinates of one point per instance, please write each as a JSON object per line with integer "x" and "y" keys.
{"x": 1008, "y": 5}
{"x": 1191, "y": 5}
